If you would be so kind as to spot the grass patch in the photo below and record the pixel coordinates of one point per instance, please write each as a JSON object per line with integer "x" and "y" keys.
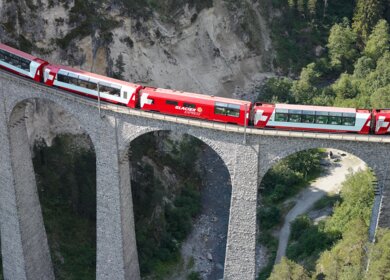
{"x": 326, "y": 201}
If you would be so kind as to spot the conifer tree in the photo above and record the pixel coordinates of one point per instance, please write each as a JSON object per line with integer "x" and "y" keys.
{"x": 367, "y": 13}
{"x": 379, "y": 40}
{"x": 288, "y": 270}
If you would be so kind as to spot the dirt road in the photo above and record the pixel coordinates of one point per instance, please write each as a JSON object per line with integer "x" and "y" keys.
{"x": 329, "y": 182}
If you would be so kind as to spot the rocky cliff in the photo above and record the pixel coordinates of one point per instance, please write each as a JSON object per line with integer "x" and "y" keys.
{"x": 216, "y": 47}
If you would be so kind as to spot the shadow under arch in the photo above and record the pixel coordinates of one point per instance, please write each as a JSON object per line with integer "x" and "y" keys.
{"x": 336, "y": 165}
{"x": 178, "y": 178}
{"x": 36, "y": 252}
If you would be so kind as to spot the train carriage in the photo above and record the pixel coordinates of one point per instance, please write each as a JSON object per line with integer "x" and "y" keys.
{"x": 21, "y": 63}
{"x": 382, "y": 121}
{"x": 311, "y": 118}
{"x": 92, "y": 85}
{"x": 185, "y": 104}
{"x": 195, "y": 105}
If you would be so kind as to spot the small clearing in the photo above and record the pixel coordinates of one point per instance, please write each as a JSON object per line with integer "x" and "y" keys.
{"x": 336, "y": 168}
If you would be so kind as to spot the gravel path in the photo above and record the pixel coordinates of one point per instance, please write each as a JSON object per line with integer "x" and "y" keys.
{"x": 329, "y": 182}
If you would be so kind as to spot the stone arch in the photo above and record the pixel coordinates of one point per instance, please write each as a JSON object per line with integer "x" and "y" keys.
{"x": 372, "y": 154}
{"x": 33, "y": 252}
{"x": 217, "y": 158}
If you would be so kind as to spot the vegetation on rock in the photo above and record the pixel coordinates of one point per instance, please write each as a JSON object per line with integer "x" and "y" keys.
{"x": 66, "y": 182}
{"x": 163, "y": 211}
{"x": 284, "y": 180}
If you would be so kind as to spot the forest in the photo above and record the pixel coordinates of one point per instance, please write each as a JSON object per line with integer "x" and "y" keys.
{"x": 352, "y": 71}
{"x": 327, "y": 52}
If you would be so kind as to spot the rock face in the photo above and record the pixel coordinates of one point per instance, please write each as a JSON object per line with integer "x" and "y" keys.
{"x": 45, "y": 120}
{"x": 221, "y": 49}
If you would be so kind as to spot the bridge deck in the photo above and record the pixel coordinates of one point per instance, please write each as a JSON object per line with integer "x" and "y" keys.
{"x": 202, "y": 123}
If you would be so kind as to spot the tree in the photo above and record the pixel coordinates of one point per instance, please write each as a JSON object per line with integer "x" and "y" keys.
{"x": 380, "y": 257}
{"x": 288, "y": 270}
{"x": 363, "y": 66}
{"x": 357, "y": 195}
{"x": 381, "y": 98}
{"x": 345, "y": 87}
{"x": 304, "y": 89}
{"x": 311, "y": 6}
{"x": 367, "y": 13}
{"x": 346, "y": 259}
{"x": 378, "y": 41}
{"x": 380, "y": 77}
{"x": 276, "y": 90}
{"x": 342, "y": 46}
{"x": 120, "y": 67}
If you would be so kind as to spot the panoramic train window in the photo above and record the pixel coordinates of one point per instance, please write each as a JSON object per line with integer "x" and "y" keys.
{"x": 226, "y": 109}
{"x": 349, "y": 119}
{"x": 308, "y": 116}
{"x": 189, "y": 105}
{"x": 15, "y": 60}
{"x": 171, "y": 102}
{"x": 281, "y": 115}
{"x": 321, "y": 117}
{"x": 67, "y": 79}
{"x": 335, "y": 118}
{"x": 88, "y": 84}
{"x": 294, "y": 115}
{"x": 109, "y": 90}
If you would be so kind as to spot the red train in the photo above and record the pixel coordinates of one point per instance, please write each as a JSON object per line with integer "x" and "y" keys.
{"x": 209, "y": 107}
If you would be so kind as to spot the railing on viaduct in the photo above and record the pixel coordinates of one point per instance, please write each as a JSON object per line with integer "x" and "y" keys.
{"x": 263, "y": 149}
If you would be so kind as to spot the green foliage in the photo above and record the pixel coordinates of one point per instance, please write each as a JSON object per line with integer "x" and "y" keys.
{"x": 307, "y": 241}
{"x": 276, "y": 90}
{"x": 342, "y": 46}
{"x": 380, "y": 257}
{"x": 66, "y": 181}
{"x": 271, "y": 243}
{"x": 350, "y": 219}
{"x": 302, "y": 26}
{"x": 287, "y": 177}
{"x": 194, "y": 276}
{"x": 346, "y": 259}
{"x": 269, "y": 217}
{"x": 357, "y": 195}
{"x": 311, "y": 244}
{"x": 282, "y": 181}
{"x": 345, "y": 87}
{"x": 363, "y": 66}
{"x": 288, "y": 270}
{"x": 88, "y": 17}
{"x": 367, "y": 13}
{"x": 163, "y": 214}
{"x": 326, "y": 201}
{"x": 381, "y": 98}
{"x": 120, "y": 68}
{"x": 304, "y": 89}
{"x": 363, "y": 84}
{"x": 378, "y": 41}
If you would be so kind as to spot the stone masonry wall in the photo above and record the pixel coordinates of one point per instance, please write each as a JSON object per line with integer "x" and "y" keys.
{"x": 111, "y": 136}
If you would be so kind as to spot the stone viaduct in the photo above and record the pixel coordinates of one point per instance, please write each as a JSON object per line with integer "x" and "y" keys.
{"x": 247, "y": 153}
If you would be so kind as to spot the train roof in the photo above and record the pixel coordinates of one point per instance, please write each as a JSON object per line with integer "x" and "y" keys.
{"x": 92, "y": 75}
{"x": 183, "y": 96}
{"x": 21, "y": 54}
{"x": 312, "y": 108}
{"x": 315, "y": 108}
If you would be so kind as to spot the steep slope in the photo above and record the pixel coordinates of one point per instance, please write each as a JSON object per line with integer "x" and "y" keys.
{"x": 218, "y": 47}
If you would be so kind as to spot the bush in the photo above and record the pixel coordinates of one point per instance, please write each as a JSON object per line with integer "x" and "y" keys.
{"x": 269, "y": 217}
